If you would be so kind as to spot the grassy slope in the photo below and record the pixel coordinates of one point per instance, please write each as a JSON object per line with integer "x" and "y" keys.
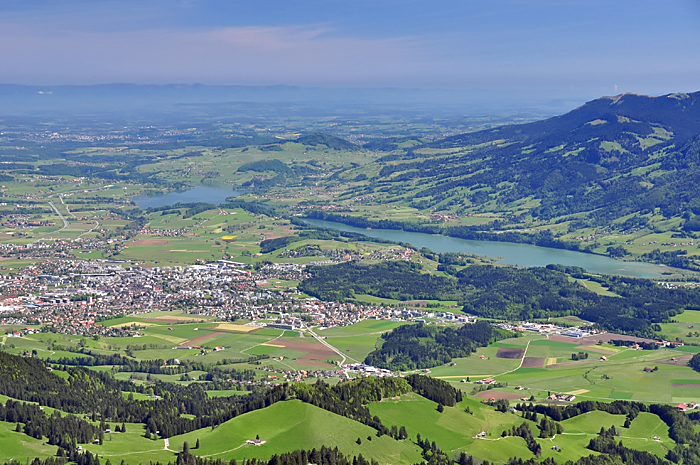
{"x": 285, "y": 426}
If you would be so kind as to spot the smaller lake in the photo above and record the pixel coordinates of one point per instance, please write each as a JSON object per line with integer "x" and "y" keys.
{"x": 507, "y": 252}
{"x": 198, "y": 194}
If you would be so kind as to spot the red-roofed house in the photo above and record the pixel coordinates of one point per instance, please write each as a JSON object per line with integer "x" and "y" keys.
{"x": 486, "y": 381}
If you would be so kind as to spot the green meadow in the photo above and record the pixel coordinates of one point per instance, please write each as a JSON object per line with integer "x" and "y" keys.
{"x": 284, "y": 426}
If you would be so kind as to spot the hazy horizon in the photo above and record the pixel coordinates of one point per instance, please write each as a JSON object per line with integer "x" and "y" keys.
{"x": 528, "y": 54}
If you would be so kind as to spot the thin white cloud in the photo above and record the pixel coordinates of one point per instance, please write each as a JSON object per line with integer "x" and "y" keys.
{"x": 291, "y": 55}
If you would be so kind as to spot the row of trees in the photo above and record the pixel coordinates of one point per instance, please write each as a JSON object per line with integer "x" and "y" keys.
{"x": 323, "y": 456}
{"x": 119, "y": 362}
{"x": 524, "y": 431}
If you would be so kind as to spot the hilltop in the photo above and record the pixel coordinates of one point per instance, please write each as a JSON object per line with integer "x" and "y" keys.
{"x": 610, "y": 157}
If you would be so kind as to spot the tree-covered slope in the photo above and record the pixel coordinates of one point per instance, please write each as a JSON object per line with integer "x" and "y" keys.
{"x": 419, "y": 346}
{"x": 511, "y": 293}
{"x": 610, "y": 157}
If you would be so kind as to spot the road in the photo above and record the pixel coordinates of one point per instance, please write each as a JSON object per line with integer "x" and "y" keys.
{"x": 65, "y": 222}
{"x": 322, "y": 341}
{"x": 66, "y": 206}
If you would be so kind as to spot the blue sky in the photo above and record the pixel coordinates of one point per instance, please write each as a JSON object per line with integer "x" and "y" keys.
{"x": 559, "y": 48}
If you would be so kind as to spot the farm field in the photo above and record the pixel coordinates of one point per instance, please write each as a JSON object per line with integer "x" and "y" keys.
{"x": 358, "y": 340}
{"x": 19, "y": 446}
{"x": 293, "y": 424}
{"x": 686, "y": 327}
{"x": 622, "y": 376}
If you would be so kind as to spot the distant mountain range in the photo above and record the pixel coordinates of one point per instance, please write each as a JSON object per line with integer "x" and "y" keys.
{"x": 103, "y": 99}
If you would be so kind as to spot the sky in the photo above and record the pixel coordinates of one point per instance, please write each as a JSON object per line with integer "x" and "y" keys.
{"x": 555, "y": 48}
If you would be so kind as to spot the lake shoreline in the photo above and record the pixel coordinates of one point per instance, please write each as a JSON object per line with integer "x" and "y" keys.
{"x": 511, "y": 253}
{"x": 198, "y": 194}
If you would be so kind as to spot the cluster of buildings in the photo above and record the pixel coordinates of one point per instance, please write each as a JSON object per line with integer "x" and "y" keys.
{"x": 22, "y": 221}
{"x": 549, "y": 328}
{"x": 57, "y": 249}
{"x": 689, "y": 406}
{"x": 73, "y": 296}
{"x": 278, "y": 375}
{"x": 360, "y": 369}
{"x": 561, "y": 397}
{"x": 340, "y": 255}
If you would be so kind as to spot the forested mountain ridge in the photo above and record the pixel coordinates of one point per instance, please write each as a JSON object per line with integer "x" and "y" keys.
{"x": 677, "y": 113}
{"x": 610, "y": 157}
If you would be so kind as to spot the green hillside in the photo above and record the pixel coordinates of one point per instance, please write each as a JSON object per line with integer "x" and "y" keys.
{"x": 283, "y": 426}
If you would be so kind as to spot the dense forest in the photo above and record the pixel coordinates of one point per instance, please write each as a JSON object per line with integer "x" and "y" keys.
{"x": 312, "y": 232}
{"x": 100, "y": 396}
{"x": 391, "y": 280}
{"x": 332, "y": 142}
{"x": 409, "y": 347}
{"x": 435, "y": 389}
{"x": 511, "y": 293}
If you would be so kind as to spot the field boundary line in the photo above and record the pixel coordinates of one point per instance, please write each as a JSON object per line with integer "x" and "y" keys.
{"x": 322, "y": 341}
{"x": 523, "y": 358}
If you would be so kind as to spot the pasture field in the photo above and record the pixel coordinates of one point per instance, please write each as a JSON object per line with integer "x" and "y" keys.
{"x": 686, "y": 327}
{"x": 355, "y": 347}
{"x": 621, "y": 377}
{"x": 477, "y": 367}
{"x": 455, "y": 431}
{"x": 284, "y": 426}
{"x": 363, "y": 328}
{"x": 19, "y": 446}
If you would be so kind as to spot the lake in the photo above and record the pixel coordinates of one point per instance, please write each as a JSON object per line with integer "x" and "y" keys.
{"x": 508, "y": 252}
{"x": 197, "y": 194}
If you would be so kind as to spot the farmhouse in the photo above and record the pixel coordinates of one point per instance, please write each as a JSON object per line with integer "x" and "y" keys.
{"x": 485, "y": 381}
